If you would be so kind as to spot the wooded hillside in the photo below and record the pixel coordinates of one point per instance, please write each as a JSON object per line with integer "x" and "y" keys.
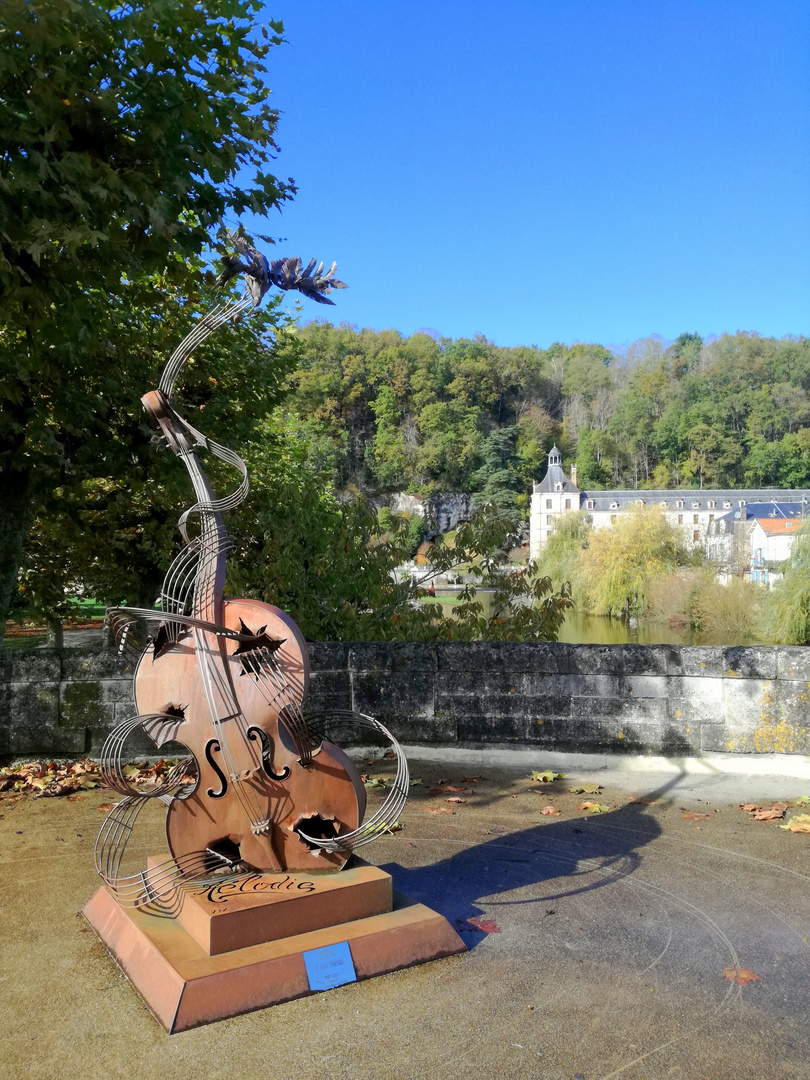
{"x": 421, "y": 414}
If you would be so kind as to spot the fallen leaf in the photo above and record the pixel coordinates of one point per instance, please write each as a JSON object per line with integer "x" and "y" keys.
{"x": 593, "y": 807}
{"x": 455, "y": 799}
{"x": 480, "y": 779}
{"x": 438, "y": 810}
{"x": 772, "y": 813}
{"x": 643, "y": 802}
{"x": 800, "y": 823}
{"x": 550, "y": 811}
{"x": 750, "y": 807}
{"x": 547, "y": 776}
{"x": 105, "y": 806}
{"x": 75, "y": 798}
{"x": 396, "y": 827}
{"x": 741, "y": 976}
{"x": 586, "y": 789}
{"x": 444, "y": 788}
{"x": 803, "y": 800}
{"x": 694, "y": 816}
{"x": 489, "y": 926}
{"x": 415, "y": 780}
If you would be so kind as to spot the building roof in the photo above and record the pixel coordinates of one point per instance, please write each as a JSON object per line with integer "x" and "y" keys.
{"x": 779, "y": 526}
{"x": 555, "y": 479}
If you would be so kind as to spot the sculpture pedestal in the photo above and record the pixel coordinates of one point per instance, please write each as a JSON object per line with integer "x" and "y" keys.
{"x": 238, "y": 946}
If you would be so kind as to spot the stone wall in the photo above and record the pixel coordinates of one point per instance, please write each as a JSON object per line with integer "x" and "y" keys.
{"x": 659, "y": 699}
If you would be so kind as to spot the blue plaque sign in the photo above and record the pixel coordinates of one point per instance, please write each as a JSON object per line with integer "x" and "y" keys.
{"x": 330, "y": 966}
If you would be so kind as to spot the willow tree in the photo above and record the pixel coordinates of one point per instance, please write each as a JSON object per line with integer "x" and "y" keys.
{"x": 127, "y": 132}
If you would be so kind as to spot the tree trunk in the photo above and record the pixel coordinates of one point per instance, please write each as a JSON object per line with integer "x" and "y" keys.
{"x": 16, "y": 511}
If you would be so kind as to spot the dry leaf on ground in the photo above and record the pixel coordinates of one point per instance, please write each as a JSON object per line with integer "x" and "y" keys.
{"x": 586, "y": 789}
{"x": 772, "y": 813}
{"x": 800, "y": 824}
{"x": 489, "y": 926}
{"x": 472, "y": 779}
{"x": 550, "y": 811}
{"x": 546, "y": 776}
{"x": 741, "y": 976}
{"x": 455, "y": 799}
{"x": 593, "y": 807}
{"x": 438, "y": 810}
{"x": 105, "y": 806}
{"x": 694, "y": 816}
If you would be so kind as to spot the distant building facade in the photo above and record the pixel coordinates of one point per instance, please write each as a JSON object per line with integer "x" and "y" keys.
{"x": 709, "y": 519}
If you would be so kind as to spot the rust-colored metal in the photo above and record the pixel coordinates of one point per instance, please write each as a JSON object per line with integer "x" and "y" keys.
{"x": 262, "y": 789}
{"x": 185, "y": 987}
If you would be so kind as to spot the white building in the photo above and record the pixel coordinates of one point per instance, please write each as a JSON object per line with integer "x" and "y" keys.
{"x": 692, "y": 512}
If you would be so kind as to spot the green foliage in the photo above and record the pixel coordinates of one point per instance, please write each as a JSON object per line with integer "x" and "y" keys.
{"x": 127, "y": 131}
{"x": 787, "y": 615}
{"x": 616, "y": 568}
{"x": 331, "y": 563}
{"x": 559, "y": 558}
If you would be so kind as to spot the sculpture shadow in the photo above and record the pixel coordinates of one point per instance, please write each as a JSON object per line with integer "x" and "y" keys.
{"x": 583, "y": 854}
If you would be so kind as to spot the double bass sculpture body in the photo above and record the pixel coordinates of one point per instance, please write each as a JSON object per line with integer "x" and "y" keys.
{"x": 263, "y": 790}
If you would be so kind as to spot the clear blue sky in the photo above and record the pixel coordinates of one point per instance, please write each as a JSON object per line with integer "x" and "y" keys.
{"x": 592, "y": 170}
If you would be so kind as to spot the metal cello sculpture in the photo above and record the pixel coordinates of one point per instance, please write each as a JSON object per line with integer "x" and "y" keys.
{"x": 263, "y": 789}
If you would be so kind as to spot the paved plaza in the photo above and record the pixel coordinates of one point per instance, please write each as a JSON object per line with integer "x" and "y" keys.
{"x": 598, "y": 941}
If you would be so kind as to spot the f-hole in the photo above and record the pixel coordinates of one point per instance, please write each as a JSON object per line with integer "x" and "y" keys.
{"x": 210, "y": 746}
{"x": 254, "y": 733}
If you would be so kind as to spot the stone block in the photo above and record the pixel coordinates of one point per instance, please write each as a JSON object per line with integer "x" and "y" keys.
{"x": 393, "y": 693}
{"x": 650, "y": 709}
{"x": 598, "y": 659}
{"x": 589, "y": 707}
{"x": 35, "y": 666}
{"x": 91, "y": 665}
{"x": 793, "y": 662}
{"x": 35, "y": 729}
{"x": 693, "y": 711}
{"x": 645, "y": 686}
{"x": 694, "y": 688}
{"x": 702, "y": 660}
{"x": 416, "y": 729}
{"x": 328, "y": 655}
{"x": 490, "y": 729}
{"x": 530, "y": 657}
{"x": 400, "y": 656}
{"x": 749, "y": 662}
{"x": 329, "y": 690}
{"x": 651, "y": 660}
{"x": 116, "y": 691}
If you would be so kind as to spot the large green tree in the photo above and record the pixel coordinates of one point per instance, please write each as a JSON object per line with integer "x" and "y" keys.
{"x": 127, "y": 132}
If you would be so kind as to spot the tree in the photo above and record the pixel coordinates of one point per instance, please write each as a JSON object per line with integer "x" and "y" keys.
{"x": 331, "y": 563}
{"x": 618, "y": 564}
{"x": 127, "y": 132}
{"x": 788, "y": 603}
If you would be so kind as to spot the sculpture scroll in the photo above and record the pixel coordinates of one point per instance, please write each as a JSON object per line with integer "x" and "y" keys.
{"x": 262, "y": 788}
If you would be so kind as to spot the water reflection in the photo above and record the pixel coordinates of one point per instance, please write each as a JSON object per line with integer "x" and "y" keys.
{"x": 582, "y": 629}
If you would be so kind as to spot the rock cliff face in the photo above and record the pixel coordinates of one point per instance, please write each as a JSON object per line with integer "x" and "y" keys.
{"x": 447, "y": 509}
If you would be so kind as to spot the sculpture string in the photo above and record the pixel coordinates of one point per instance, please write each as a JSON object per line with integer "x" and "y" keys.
{"x": 263, "y": 789}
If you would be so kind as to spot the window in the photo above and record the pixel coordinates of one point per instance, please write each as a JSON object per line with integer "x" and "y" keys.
{"x": 548, "y": 504}
{"x": 680, "y": 519}
{"x": 590, "y": 504}
{"x": 696, "y": 506}
{"x": 614, "y": 506}
{"x": 711, "y": 517}
{"x": 726, "y": 505}
{"x": 567, "y": 504}
{"x": 558, "y": 487}
{"x": 696, "y": 534}
{"x": 612, "y": 519}
{"x": 679, "y": 503}
{"x": 742, "y": 502}
{"x": 710, "y": 504}
{"x": 550, "y": 519}
{"x": 695, "y": 519}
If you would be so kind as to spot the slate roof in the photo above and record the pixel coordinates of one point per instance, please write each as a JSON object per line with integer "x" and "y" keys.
{"x": 555, "y": 475}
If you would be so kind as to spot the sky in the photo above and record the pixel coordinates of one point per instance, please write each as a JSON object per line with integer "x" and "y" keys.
{"x": 549, "y": 170}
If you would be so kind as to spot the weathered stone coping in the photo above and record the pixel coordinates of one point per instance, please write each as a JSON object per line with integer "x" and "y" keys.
{"x": 673, "y": 701}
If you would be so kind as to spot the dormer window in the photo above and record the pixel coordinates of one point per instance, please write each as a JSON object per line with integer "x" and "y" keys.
{"x": 589, "y": 504}
{"x": 711, "y": 504}
{"x": 558, "y": 486}
{"x": 614, "y": 506}
{"x": 695, "y": 505}
{"x": 679, "y": 504}
{"x": 742, "y": 502}
{"x": 726, "y": 505}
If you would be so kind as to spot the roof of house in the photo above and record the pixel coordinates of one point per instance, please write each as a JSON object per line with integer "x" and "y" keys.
{"x": 777, "y": 526}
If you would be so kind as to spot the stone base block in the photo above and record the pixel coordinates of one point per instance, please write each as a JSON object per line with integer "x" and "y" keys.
{"x": 185, "y": 986}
